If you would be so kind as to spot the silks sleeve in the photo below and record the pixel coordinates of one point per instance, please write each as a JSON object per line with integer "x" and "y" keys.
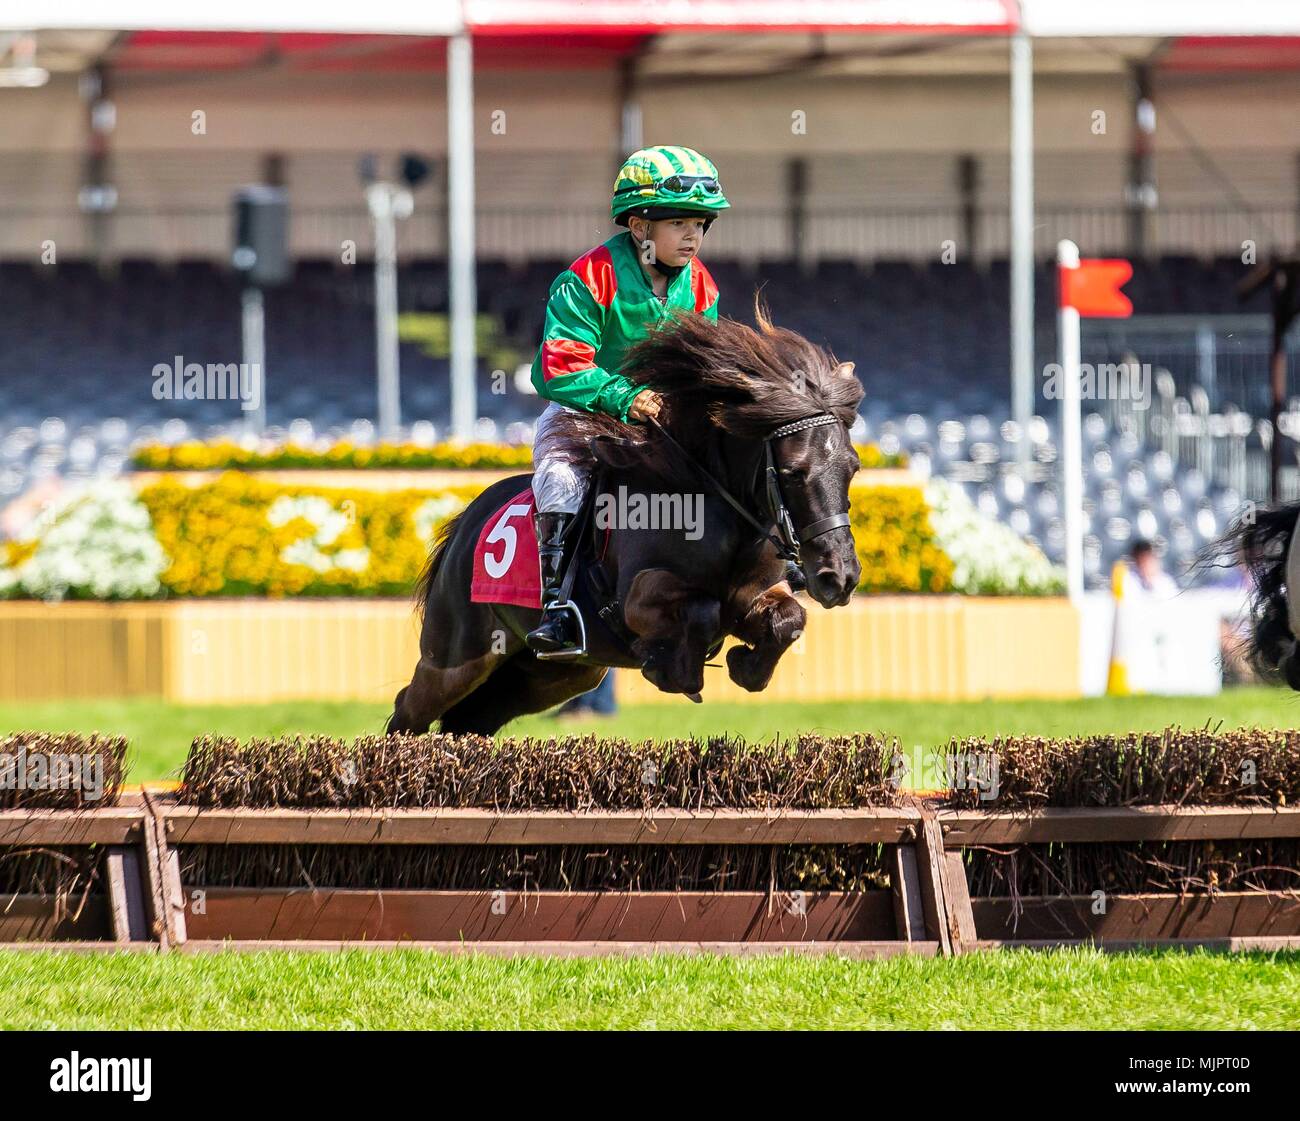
{"x": 565, "y": 368}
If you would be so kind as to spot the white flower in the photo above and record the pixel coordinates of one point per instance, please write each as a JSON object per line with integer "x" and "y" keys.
{"x": 432, "y": 511}
{"x": 328, "y": 524}
{"x": 988, "y": 557}
{"x": 92, "y": 540}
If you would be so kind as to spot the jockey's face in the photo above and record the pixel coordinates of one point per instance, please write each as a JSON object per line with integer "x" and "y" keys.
{"x": 676, "y": 240}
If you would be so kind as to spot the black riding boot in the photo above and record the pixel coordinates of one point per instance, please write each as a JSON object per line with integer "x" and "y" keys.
{"x": 556, "y": 631}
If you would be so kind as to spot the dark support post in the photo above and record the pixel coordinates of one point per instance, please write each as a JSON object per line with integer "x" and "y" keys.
{"x": 1283, "y": 278}
{"x": 1140, "y": 193}
{"x": 1286, "y": 303}
{"x": 1297, "y": 201}
{"x": 98, "y": 197}
{"x": 968, "y": 184}
{"x": 273, "y": 170}
{"x": 796, "y": 190}
{"x": 629, "y": 110}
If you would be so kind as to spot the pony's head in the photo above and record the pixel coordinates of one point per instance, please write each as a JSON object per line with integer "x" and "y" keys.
{"x": 753, "y": 384}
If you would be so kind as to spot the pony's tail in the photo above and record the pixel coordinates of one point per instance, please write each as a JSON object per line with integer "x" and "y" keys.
{"x": 1261, "y": 544}
{"x": 429, "y": 573}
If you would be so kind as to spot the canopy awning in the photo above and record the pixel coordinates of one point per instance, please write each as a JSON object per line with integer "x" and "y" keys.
{"x": 971, "y": 17}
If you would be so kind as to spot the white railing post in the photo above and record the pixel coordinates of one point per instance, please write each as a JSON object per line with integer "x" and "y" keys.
{"x": 1067, "y": 319}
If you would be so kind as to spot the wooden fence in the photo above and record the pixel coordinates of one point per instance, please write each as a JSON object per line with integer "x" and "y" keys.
{"x": 927, "y": 909}
{"x": 249, "y": 651}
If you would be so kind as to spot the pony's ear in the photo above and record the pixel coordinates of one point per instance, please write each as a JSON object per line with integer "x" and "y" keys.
{"x": 844, "y": 370}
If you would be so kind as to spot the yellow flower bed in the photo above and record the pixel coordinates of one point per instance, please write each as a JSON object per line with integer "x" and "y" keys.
{"x": 240, "y": 536}
{"x": 195, "y": 455}
{"x": 896, "y": 545}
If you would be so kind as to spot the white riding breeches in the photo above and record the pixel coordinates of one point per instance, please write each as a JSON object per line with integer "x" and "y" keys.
{"x": 559, "y": 485}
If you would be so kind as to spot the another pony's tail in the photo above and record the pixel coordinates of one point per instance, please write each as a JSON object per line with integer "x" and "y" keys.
{"x": 430, "y": 572}
{"x": 1262, "y": 544}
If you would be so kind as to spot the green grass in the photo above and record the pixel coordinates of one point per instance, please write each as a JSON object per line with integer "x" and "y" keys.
{"x": 1070, "y": 988}
{"x": 161, "y": 733}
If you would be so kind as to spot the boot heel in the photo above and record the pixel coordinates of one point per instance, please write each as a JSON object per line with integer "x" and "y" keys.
{"x": 579, "y": 649}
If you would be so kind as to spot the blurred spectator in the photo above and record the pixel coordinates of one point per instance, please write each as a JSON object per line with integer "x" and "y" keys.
{"x": 1151, "y": 578}
{"x": 597, "y": 702}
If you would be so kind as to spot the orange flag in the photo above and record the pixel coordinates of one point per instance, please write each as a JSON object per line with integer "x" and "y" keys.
{"x": 1093, "y": 289}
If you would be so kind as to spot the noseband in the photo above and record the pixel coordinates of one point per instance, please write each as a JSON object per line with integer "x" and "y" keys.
{"x": 788, "y": 538}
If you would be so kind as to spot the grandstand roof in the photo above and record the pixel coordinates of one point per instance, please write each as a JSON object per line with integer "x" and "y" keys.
{"x": 705, "y": 37}
{"x": 686, "y": 54}
{"x": 1040, "y": 18}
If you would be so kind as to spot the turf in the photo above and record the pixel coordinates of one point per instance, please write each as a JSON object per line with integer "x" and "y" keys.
{"x": 160, "y": 733}
{"x": 1070, "y": 988}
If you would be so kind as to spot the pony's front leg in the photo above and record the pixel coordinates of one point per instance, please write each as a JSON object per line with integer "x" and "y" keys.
{"x": 675, "y": 625}
{"x": 774, "y": 621}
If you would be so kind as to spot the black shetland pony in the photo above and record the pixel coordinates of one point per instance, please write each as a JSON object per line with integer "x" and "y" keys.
{"x": 760, "y": 417}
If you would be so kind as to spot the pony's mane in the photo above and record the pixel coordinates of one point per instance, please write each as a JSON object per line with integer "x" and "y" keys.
{"x": 724, "y": 375}
{"x": 746, "y": 381}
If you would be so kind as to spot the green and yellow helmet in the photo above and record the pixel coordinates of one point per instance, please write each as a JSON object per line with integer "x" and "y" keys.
{"x": 667, "y": 182}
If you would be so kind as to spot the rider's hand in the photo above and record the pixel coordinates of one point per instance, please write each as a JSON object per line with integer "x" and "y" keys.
{"x": 645, "y": 406}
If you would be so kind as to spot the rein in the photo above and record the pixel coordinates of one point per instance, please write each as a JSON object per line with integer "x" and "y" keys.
{"x": 789, "y": 539}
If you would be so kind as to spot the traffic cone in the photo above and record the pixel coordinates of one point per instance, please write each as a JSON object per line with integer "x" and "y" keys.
{"x": 1117, "y": 676}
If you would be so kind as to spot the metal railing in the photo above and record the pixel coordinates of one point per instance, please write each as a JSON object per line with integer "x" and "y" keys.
{"x": 1207, "y": 398}
{"x": 522, "y": 232}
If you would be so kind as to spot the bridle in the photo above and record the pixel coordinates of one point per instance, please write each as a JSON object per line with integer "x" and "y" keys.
{"x": 788, "y": 539}
{"x": 776, "y": 507}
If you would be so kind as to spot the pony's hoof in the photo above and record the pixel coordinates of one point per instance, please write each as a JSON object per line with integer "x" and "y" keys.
{"x": 743, "y": 671}
{"x": 696, "y": 698}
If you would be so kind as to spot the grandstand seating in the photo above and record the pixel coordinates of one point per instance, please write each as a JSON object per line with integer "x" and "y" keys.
{"x": 930, "y": 344}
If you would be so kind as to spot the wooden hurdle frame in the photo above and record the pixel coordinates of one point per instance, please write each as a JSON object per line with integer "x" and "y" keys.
{"x": 131, "y": 917}
{"x": 928, "y": 909}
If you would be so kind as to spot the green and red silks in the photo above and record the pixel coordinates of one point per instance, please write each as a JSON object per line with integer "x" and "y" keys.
{"x": 598, "y": 309}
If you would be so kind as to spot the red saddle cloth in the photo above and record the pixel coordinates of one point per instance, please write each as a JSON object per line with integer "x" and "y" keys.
{"x": 506, "y": 569}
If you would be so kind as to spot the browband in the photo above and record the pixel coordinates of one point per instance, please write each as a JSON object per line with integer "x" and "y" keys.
{"x": 799, "y": 425}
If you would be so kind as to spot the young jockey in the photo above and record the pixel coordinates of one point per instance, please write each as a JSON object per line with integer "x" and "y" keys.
{"x": 598, "y": 308}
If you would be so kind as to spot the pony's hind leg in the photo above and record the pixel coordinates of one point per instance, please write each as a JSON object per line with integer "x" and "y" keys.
{"x": 675, "y": 625}
{"x": 434, "y": 689}
{"x": 522, "y": 686}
